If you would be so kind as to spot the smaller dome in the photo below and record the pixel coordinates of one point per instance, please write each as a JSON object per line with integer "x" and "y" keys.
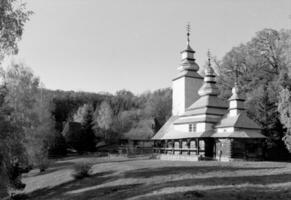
{"x": 208, "y": 89}
{"x": 189, "y": 64}
{"x": 209, "y": 86}
{"x": 235, "y": 94}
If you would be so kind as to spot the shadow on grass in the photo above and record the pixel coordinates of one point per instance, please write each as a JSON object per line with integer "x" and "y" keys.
{"x": 132, "y": 190}
{"x": 59, "y": 192}
{"x": 151, "y": 172}
{"x": 225, "y": 194}
{"x": 128, "y": 190}
{"x": 228, "y": 182}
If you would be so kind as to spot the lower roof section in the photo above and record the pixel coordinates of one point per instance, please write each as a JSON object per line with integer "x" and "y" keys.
{"x": 168, "y": 126}
{"x": 174, "y": 134}
{"x": 239, "y": 134}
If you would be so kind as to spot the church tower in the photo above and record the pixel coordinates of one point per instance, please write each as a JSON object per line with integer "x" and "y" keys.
{"x": 187, "y": 82}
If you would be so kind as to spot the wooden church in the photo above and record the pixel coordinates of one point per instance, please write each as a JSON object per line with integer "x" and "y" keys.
{"x": 204, "y": 126}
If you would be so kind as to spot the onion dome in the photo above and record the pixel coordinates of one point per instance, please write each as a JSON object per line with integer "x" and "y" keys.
{"x": 209, "y": 86}
{"x": 236, "y": 101}
{"x": 188, "y": 60}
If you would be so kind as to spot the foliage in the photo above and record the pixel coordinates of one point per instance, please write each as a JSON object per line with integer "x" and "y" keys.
{"x": 84, "y": 116}
{"x": 114, "y": 115}
{"x": 159, "y": 107}
{"x": 31, "y": 111}
{"x": 103, "y": 118}
{"x": 259, "y": 64}
{"x": 67, "y": 103}
{"x": 13, "y": 16}
{"x": 142, "y": 130}
{"x": 57, "y": 145}
{"x": 82, "y": 113}
{"x": 284, "y": 108}
{"x": 82, "y": 170}
{"x": 74, "y": 137}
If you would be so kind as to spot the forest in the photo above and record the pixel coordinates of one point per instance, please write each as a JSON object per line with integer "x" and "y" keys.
{"x": 35, "y": 121}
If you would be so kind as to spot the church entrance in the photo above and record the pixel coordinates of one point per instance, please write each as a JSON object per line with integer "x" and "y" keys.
{"x": 209, "y": 147}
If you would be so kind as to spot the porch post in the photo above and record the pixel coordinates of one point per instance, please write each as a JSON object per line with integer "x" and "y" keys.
{"x": 173, "y": 146}
{"x": 197, "y": 142}
{"x": 180, "y": 146}
{"x": 188, "y": 145}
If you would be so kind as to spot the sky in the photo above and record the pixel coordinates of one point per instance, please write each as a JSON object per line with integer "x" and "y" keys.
{"x": 109, "y": 45}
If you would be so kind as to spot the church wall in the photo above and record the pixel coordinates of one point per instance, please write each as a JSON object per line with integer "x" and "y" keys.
{"x": 178, "y": 96}
{"x": 185, "y": 93}
{"x": 227, "y": 129}
{"x": 201, "y": 127}
{"x": 182, "y": 127}
{"x": 238, "y": 149}
{"x": 192, "y": 85}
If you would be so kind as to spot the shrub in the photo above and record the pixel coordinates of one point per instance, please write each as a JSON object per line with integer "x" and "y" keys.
{"x": 43, "y": 165}
{"x": 18, "y": 197}
{"x": 82, "y": 170}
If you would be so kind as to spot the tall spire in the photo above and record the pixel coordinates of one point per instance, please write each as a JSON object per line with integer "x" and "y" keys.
{"x": 188, "y": 60}
{"x": 209, "y": 87}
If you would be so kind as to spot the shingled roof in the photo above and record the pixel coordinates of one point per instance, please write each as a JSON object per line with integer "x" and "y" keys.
{"x": 239, "y": 134}
{"x": 168, "y": 126}
{"x": 174, "y": 134}
{"x": 239, "y": 121}
{"x": 209, "y": 101}
{"x": 205, "y": 118}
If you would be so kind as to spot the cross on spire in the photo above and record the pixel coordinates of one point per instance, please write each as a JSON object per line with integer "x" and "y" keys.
{"x": 236, "y": 75}
{"x": 209, "y": 57}
{"x": 188, "y": 29}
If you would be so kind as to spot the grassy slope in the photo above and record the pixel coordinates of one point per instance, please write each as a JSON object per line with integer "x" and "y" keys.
{"x": 155, "y": 179}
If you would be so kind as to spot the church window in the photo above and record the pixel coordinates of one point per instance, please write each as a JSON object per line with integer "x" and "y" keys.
{"x": 192, "y": 127}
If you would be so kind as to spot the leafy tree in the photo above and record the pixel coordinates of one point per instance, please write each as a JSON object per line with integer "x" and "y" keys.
{"x": 127, "y": 120}
{"x": 259, "y": 64}
{"x": 123, "y": 100}
{"x": 11, "y": 146}
{"x": 57, "y": 145}
{"x": 103, "y": 118}
{"x": 31, "y": 112}
{"x": 159, "y": 106}
{"x": 79, "y": 134}
{"x": 67, "y": 103}
{"x": 141, "y": 130}
{"x": 284, "y": 108}
{"x": 13, "y": 16}
{"x": 74, "y": 136}
{"x": 82, "y": 113}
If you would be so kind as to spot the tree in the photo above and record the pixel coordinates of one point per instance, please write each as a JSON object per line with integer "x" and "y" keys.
{"x": 11, "y": 145}
{"x": 262, "y": 65}
{"x": 102, "y": 120}
{"x": 13, "y": 16}
{"x": 127, "y": 120}
{"x": 159, "y": 107}
{"x": 141, "y": 130}
{"x": 31, "y": 112}
{"x": 82, "y": 113}
{"x": 284, "y": 108}
{"x": 79, "y": 134}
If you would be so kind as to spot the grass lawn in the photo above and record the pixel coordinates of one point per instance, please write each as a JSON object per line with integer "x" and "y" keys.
{"x": 122, "y": 178}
